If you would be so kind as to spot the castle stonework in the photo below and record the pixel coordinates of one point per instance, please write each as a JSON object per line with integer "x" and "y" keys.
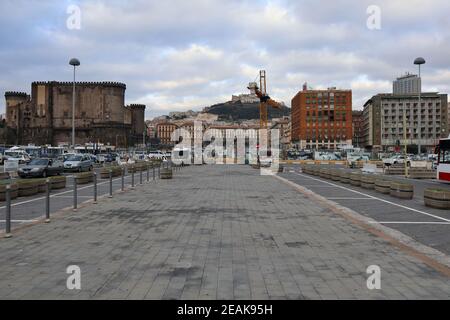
{"x": 101, "y": 116}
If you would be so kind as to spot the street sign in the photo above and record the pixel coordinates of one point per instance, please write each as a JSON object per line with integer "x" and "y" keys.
{"x": 11, "y": 166}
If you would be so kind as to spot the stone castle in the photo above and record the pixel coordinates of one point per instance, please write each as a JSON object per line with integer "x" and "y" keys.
{"x": 101, "y": 116}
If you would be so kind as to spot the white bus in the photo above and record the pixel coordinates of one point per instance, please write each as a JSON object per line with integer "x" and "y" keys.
{"x": 443, "y": 166}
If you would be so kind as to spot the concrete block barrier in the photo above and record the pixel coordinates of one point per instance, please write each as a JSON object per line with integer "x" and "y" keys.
{"x": 368, "y": 181}
{"x": 355, "y": 179}
{"x": 166, "y": 173}
{"x": 344, "y": 176}
{"x": 27, "y": 187}
{"x": 401, "y": 190}
{"x": 335, "y": 174}
{"x": 437, "y": 198}
{"x": 58, "y": 182}
{"x": 14, "y": 191}
{"x": 383, "y": 186}
{"x": 84, "y": 178}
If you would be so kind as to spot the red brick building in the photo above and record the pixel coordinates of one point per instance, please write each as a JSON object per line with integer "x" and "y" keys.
{"x": 164, "y": 131}
{"x": 322, "y": 119}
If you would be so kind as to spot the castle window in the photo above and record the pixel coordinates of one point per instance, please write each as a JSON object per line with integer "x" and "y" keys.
{"x": 66, "y": 114}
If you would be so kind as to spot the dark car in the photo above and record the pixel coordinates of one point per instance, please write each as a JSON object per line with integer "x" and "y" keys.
{"x": 41, "y": 168}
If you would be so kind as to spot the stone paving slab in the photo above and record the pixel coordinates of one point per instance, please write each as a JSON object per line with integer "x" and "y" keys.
{"x": 212, "y": 232}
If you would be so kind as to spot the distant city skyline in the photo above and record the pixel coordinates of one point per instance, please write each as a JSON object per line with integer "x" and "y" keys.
{"x": 181, "y": 55}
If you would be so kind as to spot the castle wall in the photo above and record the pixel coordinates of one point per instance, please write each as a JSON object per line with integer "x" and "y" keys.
{"x": 100, "y": 114}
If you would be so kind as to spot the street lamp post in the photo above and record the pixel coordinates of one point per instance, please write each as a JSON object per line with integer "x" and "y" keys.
{"x": 73, "y": 62}
{"x": 419, "y": 61}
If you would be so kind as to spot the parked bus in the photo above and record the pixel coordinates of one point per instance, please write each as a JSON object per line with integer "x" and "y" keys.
{"x": 443, "y": 166}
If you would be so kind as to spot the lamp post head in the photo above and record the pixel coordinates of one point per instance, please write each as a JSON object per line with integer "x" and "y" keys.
{"x": 419, "y": 61}
{"x": 74, "y": 62}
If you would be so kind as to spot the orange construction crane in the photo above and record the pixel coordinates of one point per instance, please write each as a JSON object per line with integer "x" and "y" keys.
{"x": 264, "y": 98}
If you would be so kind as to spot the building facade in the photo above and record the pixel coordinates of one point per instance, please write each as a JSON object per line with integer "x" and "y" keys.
{"x": 407, "y": 84}
{"x": 45, "y": 116}
{"x": 357, "y": 124}
{"x": 321, "y": 119}
{"x": 164, "y": 132}
{"x": 384, "y": 116}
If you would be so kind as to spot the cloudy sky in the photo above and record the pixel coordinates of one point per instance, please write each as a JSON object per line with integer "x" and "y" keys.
{"x": 177, "y": 55}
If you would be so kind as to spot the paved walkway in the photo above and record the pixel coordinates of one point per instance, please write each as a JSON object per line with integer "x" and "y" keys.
{"x": 213, "y": 232}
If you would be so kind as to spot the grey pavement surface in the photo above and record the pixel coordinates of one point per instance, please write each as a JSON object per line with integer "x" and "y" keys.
{"x": 411, "y": 217}
{"x": 212, "y": 232}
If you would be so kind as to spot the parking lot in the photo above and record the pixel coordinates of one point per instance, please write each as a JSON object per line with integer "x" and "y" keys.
{"x": 28, "y": 209}
{"x": 426, "y": 225}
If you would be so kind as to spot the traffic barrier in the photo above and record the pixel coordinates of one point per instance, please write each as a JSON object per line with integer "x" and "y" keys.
{"x": 437, "y": 198}
{"x": 401, "y": 190}
{"x": 27, "y": 187}
{"x": 421, "y": 173}
{"x": 14, "y": 191}
{"x": 395, "y": 170}
{"x": 116, "y": 171}
{"x": 355, "y": 179}
{"x": 166, "y": 173}
{"x": 335, "y": 174}
{"x": 344, "y": 176}
{"x": 4, "y": 176}
{"x": 368, "y": 181}
{"x": 84, "y": 178}
{"x": 42, "y": 185}
{"x": 57, "y": 182}
{"x": 383, "y": 186}
{"x": 325, "y": 173}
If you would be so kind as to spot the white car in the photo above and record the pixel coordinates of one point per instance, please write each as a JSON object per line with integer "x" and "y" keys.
{"x": 155, "y": 155}
{"x": 397, "y": 159}
{"x": 17, "y": 155}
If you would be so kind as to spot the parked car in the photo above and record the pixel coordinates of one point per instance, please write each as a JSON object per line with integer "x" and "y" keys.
{"x": 18, "y": 155}
{"x": 41, "y": 167}
{"x": 397, "y": 159}
{"x": 78, "y": 163}
{"x": 155, "y": 155}
{"x": 93, "y": 157}
{"x": 105, "y": 158}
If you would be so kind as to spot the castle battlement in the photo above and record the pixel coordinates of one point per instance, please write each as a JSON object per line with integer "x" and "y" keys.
{"x": 15, "y": 94}
{"x": 136, "y": 106}
{"x": 88, "y": 83}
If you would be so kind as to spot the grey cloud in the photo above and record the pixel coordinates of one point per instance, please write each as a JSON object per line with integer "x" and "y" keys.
{"x": 176, "y": 55}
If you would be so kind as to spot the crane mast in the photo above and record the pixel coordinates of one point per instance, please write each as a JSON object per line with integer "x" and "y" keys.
{"x": 264, "y": 98}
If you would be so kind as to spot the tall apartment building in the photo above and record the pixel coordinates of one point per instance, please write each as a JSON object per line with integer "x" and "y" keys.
{"x": 384, "y": 116}
{"x": 321, "y": 118}
{"x": 407, "y": 84}
{"x": 357, "y": 124}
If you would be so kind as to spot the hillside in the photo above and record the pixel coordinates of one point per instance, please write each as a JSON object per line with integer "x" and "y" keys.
{"x": 243, "y": 111}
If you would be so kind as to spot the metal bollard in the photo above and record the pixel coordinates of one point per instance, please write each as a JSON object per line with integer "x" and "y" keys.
{"x": 123, "y": 179}
{"x": 132, "y": 179}
{"x": 8, "y": 212}
{"x": 159, "y": 172}
{"x": 47, "y": 201}
{"x": 148, "y": 174}
{"x": 95, "y": 187}
{"x": 75, "y": 196}
{"x": 110, "y": 184}
{"x": 140, "y": 177}
{"x": 153, "y": 167}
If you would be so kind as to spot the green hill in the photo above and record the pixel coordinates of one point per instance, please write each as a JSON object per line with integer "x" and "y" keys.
{"x": 243, "y": 111}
